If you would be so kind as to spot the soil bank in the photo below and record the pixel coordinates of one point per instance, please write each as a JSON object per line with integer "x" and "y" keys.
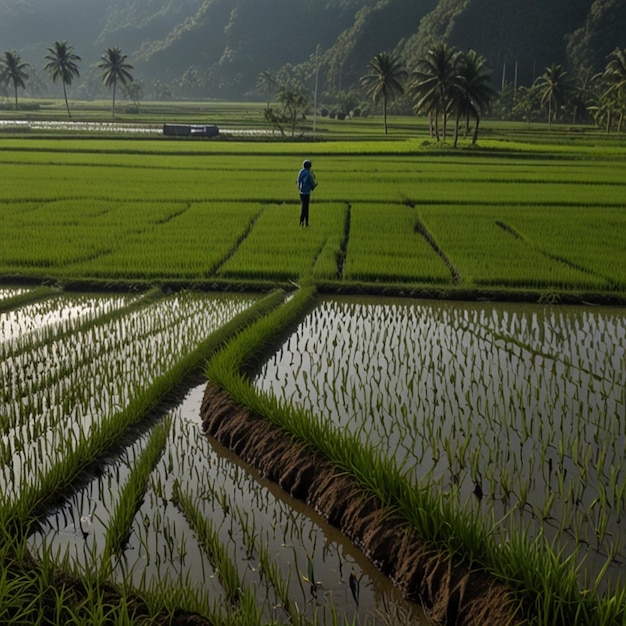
{"x": 451, "y": 593}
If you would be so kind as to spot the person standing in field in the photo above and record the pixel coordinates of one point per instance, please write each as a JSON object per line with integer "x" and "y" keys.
{"x": 306, "y": 184}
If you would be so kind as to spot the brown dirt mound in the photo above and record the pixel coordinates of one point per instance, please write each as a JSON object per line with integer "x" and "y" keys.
{"x": 453, "y": 594}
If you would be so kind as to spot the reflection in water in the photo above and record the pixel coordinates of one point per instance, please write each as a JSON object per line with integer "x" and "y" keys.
{"x": 521, "y": 405}
{"x": 320, "y": 567}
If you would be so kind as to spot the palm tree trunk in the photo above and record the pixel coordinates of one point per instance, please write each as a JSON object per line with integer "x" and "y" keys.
{"x": 385, "y": 112}
{"x": 16, "y": 97}
{"x": 475, "y": 136}
{"x": 67, "y": 105}
{"x": 114, "y": 89}
{"x": 457, "y": 120}
{"x": 550, "y": 112}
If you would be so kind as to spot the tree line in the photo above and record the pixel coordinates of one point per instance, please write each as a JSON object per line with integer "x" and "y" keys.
{"x": 445, "y": 84}
{"x": 449, "y": 85}
{"x": 62, "y": 65}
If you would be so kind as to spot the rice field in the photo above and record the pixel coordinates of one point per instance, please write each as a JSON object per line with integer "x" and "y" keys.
{"x": 544, "y": 221}
{"x": 164, "y": 512}
{"x": 514, "y": 411}
{"x": 510, "y": 416}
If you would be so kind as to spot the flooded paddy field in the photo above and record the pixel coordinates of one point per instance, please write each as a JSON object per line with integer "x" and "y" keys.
{"x": 69, "y": 365}
{"x": 514, "y": 411}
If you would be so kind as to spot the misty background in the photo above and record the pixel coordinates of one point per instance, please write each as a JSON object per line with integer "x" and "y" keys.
{"x": 216, "y": 49}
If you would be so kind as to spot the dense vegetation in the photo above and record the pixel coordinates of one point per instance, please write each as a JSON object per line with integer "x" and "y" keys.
{"x": 546, "y": 220}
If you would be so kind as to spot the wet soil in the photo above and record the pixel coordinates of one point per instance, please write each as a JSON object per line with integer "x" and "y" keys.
{"x": 451, "y": 593}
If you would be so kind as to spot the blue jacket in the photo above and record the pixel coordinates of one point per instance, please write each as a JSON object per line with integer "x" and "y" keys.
{"x": 306, "y": 181}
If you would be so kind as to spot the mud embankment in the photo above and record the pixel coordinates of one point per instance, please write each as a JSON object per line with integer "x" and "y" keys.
{"x": 452, "y": 594}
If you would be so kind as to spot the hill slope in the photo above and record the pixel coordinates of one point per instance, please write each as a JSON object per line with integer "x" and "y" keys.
{"x": 219, "y": 47}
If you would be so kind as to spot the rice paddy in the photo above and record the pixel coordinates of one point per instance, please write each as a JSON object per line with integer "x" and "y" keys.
{"x": 516, "y": 411}
{"x": 156, "y": 210}
{"x": 507, "y": 419}
{"x": 131, "y": 523}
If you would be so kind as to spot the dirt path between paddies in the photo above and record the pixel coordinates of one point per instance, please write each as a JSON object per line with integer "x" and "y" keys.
{"x": 452, "y": 594}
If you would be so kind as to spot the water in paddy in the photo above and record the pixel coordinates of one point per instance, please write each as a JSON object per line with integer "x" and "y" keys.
{"x": 516, "y": 410}
{"x": 250, "y": 514}
{"x": 524, "y": 402}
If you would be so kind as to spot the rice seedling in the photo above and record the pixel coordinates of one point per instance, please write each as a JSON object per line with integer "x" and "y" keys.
{"x": 278, "y": 249}
{"x": 289, "y": 382}
{"x": 497, "y": 432}
{"x": 175, "y": 246}
{"x": 131, "y": 496}
{"x": 164, "y": 210}
{"x": 383, "y": 246}
{"x": 502, "y": 256}
{"x": 121, "y": 527}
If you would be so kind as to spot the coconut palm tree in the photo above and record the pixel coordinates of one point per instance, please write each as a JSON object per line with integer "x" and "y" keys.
{"x": 113, "y": 63}
{"x": 294, "y": 101}
{"x": 62, "y": 64}
{"x": 384, "y": 80}
{"x": 432, "y": 83}
{"x": 470, "y": 92}
{"x": 555, "y": 87}
{"x": 615, "y": 79}
{"x": 267, "y": 83}
{"x": 14, "y": 71}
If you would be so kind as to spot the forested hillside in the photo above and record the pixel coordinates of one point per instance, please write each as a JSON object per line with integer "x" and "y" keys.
{"x": 218, "y": 48}
{"x": 528, "y": 33}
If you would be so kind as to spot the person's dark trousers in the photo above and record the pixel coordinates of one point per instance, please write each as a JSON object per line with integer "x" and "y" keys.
{"x": 304, "y": 210}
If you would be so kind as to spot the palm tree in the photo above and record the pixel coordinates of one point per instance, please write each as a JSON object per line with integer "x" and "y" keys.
{"x": 113, "y": 62}
{"x": 13, "y": 71}
{"x": 615, "y": 78}
{"x": 432, "y": 84}
{"x": 584, "y": 93}
{"x": 267, "y": 83}
{"x": 384, "y": 80}
{"x": 62, "y": 63}
{"x": 470, "y": 91}
{"x": 555, "y": 86}
{"x": 294, "y": 101}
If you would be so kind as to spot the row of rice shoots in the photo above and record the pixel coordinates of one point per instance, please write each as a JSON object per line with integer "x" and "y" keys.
{"x": 189, "y": 244}
{"x": 384, "y": 247}
{"x": 516, "y": 408}
{"x": 486, "y": 252}
{"x": 447, "y": 412}
{"x": 511, "y": 223}
{"x": 68, "y": 462}
{"x": 277, "y": 248}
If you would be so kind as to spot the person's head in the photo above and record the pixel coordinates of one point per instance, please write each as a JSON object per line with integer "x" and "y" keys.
{"x": 307, "y": 164}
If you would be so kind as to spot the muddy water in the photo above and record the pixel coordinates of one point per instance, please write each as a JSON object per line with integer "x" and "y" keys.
{"x": 247, "y": 510}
